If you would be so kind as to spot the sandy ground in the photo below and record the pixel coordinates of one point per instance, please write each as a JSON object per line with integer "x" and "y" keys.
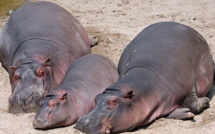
{"x": 116, "y": 23}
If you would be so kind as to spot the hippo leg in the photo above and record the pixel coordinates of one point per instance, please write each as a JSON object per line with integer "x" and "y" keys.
{"x": 93, "y": 41}
{"x": 195, "y": 104}
{"x": 181, "y": 114}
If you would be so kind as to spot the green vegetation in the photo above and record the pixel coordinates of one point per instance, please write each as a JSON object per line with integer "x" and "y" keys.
{"x": 7, "y": 6}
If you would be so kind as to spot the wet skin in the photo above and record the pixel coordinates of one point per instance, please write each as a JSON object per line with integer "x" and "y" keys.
{"x": 87, "y": 77}
{"x": 166, "y": 71}
{"x": 49, "y": 34}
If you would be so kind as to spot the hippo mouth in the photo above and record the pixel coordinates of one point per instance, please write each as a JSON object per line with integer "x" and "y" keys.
{"x": 68, "y": 120}
{"x": 131, "y": 128}
{"x": 108, "y": 129}
{"x": 49, "y": 114}
{"x": 19, "y": 104}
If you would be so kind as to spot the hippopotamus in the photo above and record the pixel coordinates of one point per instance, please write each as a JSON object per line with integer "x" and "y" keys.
{"x": 87, "y": 77}
{"x": 37, "y": 45}
{"x": 165, "y": 71}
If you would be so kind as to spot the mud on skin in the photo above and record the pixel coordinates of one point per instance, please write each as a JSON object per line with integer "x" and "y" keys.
{"x": 166, "y": 71}
{"x": 87, "y": 77}
{"x": 38, "y": 51}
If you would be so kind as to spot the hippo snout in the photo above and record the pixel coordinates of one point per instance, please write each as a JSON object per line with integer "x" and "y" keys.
{"x": 19, "y": 103}
{"x": 87, "y": 125}
{"x": 85, "y": 121}
{"x": 83, "y": 124}
{"x": 40, "y": 123}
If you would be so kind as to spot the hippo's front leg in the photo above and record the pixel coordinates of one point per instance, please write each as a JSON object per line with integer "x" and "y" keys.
{"x": 181, "y": 114}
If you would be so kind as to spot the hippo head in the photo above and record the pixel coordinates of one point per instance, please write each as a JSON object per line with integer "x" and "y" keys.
{"x": 30, "y": 80}
{"x": 57, "y": 109}
{"x": 113, "y": 113}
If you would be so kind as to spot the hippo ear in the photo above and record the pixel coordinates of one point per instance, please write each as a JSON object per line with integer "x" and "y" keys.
{"x": 47, "y": 62}
{"x": 63, "y": 97}
{"x": 129, "y": 94}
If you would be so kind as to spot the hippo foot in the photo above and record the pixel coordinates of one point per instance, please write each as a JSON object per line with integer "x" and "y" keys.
{"x": 93, "y": 41}
{"x": 202, "y": 104}
{"x": 196, "y": 104}
{"x": 181, "y": 114}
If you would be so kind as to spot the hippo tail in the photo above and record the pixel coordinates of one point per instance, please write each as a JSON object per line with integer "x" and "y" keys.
{"x": 93, "y": 41}
{"x": 214, "y": 71}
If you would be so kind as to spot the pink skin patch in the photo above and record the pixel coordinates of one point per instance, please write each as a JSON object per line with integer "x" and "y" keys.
{"x": 52, "y": 103}
{"x": 190, "y": 115}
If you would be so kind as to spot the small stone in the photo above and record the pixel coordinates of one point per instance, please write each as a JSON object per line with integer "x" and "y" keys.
{"x": 10, "y": 12}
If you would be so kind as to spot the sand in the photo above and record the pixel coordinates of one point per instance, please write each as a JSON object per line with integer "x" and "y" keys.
{"x": 116, "y": 23}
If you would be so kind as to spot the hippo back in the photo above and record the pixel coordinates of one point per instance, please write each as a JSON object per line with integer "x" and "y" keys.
{"x": 44, "y": 21}
{"x": 166, "y": 46}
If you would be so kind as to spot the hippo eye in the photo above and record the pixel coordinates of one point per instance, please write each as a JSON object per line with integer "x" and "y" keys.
{"x": 40, "y": 72}
{"x": 113, "y": 102}
{"x": 17, "y": 77}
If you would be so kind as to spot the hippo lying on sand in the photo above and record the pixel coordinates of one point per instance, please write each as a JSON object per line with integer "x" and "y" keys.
{"x": 87, "y": 77}
{"x": 37, "y": 46}
{"x": 165, "y": 71}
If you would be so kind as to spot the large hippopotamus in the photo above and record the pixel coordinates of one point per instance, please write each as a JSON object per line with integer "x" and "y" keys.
{"x": 166, "y": 71}
{"x": 87, "y": 77}
{"x": 37, "y": 46}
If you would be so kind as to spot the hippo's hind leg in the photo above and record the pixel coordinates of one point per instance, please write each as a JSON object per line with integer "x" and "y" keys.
{"x": 194, "y": 103}
{"x": 181, "y": 114}
{"x": 195, "y": 100}
{"x": 93, "y": 41}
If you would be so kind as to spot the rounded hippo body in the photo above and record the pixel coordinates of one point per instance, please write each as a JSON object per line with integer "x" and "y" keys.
{"x": 87, "y": 77}
{"x": 37, "y": 46}
{"x": 165, "y": 71}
